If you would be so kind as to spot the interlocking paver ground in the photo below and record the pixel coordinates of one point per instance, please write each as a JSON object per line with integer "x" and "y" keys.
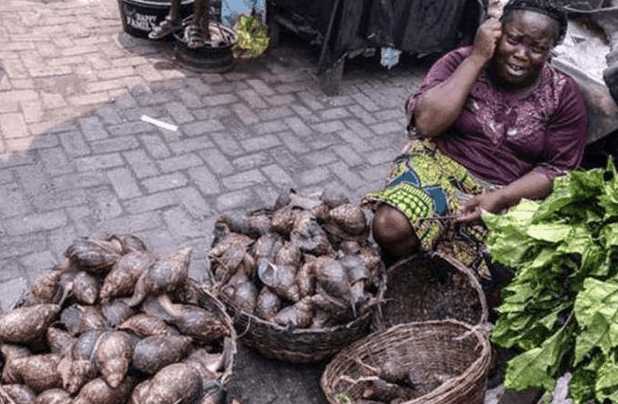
{"x": 75, "y": 158}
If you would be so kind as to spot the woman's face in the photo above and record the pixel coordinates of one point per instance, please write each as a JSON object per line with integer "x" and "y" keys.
{"x": 527, "y": 39}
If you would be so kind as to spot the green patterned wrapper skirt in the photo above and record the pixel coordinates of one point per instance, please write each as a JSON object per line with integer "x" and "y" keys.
{"x": 429, "y": 188}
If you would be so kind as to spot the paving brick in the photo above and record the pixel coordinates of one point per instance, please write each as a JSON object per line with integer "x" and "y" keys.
{"x": 12, "y": 292}
{"x": 275, "y": 113}
{"x": 124, "y": 184}
{"x": 13, "y": 125}
{"x": 130, "y": 128}
{"x": 253, "y": 160}
{"x": 141, "y": 164}
{"x": 90, "y": 99}
{"x": 217, "y": 162}
{"x": 181, "y": 224}
{"x": 253, "y": 99}
{"x": 348, "y": 155}
{"x": 362, "y": 114}
{"x": 382, "y": 156}
{"x": 359, "y": 144}
{"x": 155, "y": 146}
{"x": 179, "y": 112}
{"x": 21, "y": 95}
{"x": 270, "y": 127}
{"x": 33, "y": 111}
{"x": 310, "y": 100}
{"x": 388, "y": 127}
{"x": 376, "y": 173}
{"x": 180, "y": 162}
{"x": 278, "y": 176}
{"x": 359, "y": 129}
{"x": 74, "y": 144}
{"x": 202, "y": 127}
{"x": 314, "y": 176}
{"x": 35, "y": 222}
{"x": 116, "y": 72}
{"x": 318, "y": 158}
{"x": 13, "y": 201}
{"x": 205, "y": 180}
{"x": 114, "y": 145}
{"x": 282, "y": 99}
{"x": 30, "y": 143}
{"x": 236, "y": 200}
{"x": 9, "y": 160}
{"x": 84, "y": 179}
{"x": 133, "y": 223}
{"x": 164, "y": 182}
{"x": 103, "y": 203}
{"x": 329, "y": 127}
{"x": 244, "y": 179}
{"x": 150, "y": 202}
{"x": 396, "y": 114}
{"x": 37, "y": 263}
{"x": 245, "y": 114}
{"x": 107, "y": 114}
{"x": 261, "y": 143}
{"x": 99, "y": 162}
{"x": 221, "y": 99}
{"x": 334, "y": 113}
{"x": 194, "y": 202}
{"x": 227, "y": 144}
{"x": 9, "y": 270}
{"x": 261, "y": 87}
{"x": 299, "y": 127}
{"x": 347, "y": 176}
{"x": 365, "y": 102}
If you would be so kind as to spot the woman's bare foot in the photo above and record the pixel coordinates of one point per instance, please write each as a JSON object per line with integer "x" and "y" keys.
{"x": 165, "y": 28}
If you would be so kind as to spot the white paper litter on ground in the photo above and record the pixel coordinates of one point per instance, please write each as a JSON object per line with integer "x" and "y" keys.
{"x": 159, "y": 123}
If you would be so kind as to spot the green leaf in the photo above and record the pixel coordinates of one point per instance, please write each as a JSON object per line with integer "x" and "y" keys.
{"x": 507, "y": 241}
{"x": 550, "y": 232}
{"x": 609, "y": 234}
{"x": 537, "y": 367}
{"x": 578, "y": 242}
{"x": 582, "y": 385}
{"x": 607, "y": 382}
{"x": 596, "y": 311}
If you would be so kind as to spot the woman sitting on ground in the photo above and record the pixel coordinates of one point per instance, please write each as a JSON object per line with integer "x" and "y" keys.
{"x": 491, "y": 124}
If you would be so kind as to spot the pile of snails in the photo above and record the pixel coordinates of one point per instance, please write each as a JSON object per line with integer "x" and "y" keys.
{"x": 113, "y": 323}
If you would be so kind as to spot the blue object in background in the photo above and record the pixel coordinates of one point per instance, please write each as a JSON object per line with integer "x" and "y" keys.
{"x": 390, "y": 57}
{"x": 231, "y": 10}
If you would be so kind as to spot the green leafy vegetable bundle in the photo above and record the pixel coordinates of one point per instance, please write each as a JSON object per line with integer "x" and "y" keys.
{"x": 561, "y": 309}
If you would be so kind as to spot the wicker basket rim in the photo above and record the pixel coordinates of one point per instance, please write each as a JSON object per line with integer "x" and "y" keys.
{"x": 295, "y": 331}
{"x": 228, "y": 373}
{"x": 472, "y": 330}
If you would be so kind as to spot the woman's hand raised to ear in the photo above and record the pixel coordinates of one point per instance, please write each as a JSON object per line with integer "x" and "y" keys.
{"x": 486, "y": 40}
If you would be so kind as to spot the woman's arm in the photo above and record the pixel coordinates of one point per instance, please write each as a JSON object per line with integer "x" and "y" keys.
{"x": 533, "y": 185}
{"x": 440, "y": 106}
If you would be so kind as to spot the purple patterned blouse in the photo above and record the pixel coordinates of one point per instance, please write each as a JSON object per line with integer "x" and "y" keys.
{"x": 500, "y": 137}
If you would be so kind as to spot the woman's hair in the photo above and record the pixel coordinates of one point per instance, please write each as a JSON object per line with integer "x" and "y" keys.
{"x": 547, "y": 7}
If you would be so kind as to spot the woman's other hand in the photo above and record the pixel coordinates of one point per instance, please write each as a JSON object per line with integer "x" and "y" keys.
{"x": 489, "y": 201}
{"x": 486, "y": 40}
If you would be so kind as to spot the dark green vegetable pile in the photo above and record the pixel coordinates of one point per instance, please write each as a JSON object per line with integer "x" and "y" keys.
{"x": 561, "y": 309}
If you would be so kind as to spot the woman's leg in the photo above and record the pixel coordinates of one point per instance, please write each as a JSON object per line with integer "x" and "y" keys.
{"x": 170, "y": 24}
{"x": 394, "y": 233}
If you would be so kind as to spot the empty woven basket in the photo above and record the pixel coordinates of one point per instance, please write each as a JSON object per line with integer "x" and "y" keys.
{"x": 449, "y": 361}
{"x": 429, "y": 287}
